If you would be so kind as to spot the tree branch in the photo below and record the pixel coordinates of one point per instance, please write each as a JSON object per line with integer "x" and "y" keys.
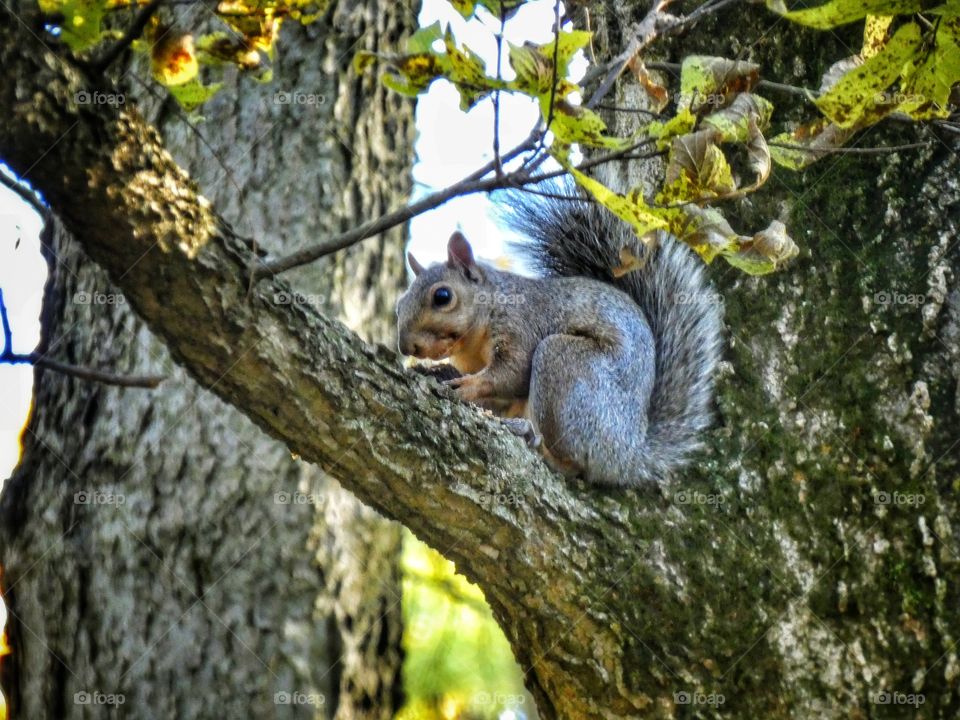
{"x": 473, "y": 183}
{"x": 25, "y": 194}
{"x": 9, "y": 357}
{"x": 135, "y": 30}
{"x": 655, "y": 24}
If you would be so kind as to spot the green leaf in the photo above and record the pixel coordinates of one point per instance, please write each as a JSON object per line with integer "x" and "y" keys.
{"x": 697, "y": 170}
{"x": 469, "y": 73}
{"x": 840, "y": 12}
{"x": 467, "y": 7}
{"x": 532, "y": 68}
{"x": 680, "y": 124}
{"x": 506, "y": 7}
{"x": 808, "y": 143}
{"x": 82, "y": 21}
{"x": 858, "y": 97}
{"x": 423, "y": 39}
{"x": 705, "y": 230}
{"x": 710, "y": 82}
{"x": 733, "y": 123}
{"x": 533, "y": 64}
{"x": 192, "y": 94}
{"x": 412, "y": 74}
{"x": 577, "y": 124}
{"x": 927, "y": 81}
{"x": 464, "y": 7}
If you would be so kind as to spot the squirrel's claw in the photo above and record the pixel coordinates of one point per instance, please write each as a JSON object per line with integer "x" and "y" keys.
{"x": 523, "y": 428}
{"x": 470, "y": 388}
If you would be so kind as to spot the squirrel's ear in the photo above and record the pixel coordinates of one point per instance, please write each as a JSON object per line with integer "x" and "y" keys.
{"x": 459, "y": 252}
{"x": 414, "y": 265}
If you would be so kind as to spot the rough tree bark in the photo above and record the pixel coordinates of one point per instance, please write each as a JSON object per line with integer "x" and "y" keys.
{"x": 789, "y": 573}
{"x": 200, "y": 595}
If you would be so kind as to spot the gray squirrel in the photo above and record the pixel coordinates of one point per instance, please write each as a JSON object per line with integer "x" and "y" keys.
{"x": 611, "y": 377}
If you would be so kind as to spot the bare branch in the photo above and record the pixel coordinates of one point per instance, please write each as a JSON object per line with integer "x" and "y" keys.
{"x": 496, "y": 95}
{"x": 26, "y": 195}
{"x": 851, "y": 150}
{"x": 9, "y": 357}
{"x": 473, "y": 183}
{"x": 655, "y": 24}
{"x": 148, "y": 382}
{"x": 556, "y": 55}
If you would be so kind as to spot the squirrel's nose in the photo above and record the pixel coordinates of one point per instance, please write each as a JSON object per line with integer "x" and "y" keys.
{"x": 408, "y": 346}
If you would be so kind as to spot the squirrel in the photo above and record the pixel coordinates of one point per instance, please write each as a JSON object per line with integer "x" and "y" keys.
{"x": 611, "y": 377}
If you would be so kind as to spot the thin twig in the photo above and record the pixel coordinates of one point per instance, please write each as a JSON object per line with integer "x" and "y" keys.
{"x": 26, "y": 195}
{"x": 473, "y": 183}
{"x": 851, "y": 150}
{"x": 7, "y": 333}
{"x": 556, "y": 55}
{"x": 496, "y": 94}
{"x": 638, "y": 111}
{"x": 9, "y": 357}
{"x": 556, "y": 196}
{"x": 148, "y": 382}
{"x": 133, "y": 33}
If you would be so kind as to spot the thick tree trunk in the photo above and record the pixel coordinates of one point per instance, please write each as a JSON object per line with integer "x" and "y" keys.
{"x": 794, "y": 573}
{"x": 205, "y": 593}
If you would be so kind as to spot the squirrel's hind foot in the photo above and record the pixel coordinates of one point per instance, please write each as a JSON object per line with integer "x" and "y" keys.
{"x": 523, "y": 428}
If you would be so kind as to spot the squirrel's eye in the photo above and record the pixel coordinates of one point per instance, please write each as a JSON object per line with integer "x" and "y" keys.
{"x": 442, "y": 296}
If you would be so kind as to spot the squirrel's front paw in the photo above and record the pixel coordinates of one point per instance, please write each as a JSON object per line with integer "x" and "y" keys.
{"x": 471, "y": 388}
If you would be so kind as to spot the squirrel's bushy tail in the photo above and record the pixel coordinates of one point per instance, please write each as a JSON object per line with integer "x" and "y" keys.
{"x": 579, "y": 238}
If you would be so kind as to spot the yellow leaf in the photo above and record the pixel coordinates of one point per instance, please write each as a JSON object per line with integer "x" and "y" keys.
{"x": 858, "y": 98}
{"x": 174, "y": 60}
{"x": 875, "y": 34}
{"x": 630, "y": 208}
{"x": 839, "y": 12}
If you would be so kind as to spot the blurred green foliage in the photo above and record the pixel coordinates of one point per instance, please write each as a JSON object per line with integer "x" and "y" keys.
{"x": 458, "y": 663}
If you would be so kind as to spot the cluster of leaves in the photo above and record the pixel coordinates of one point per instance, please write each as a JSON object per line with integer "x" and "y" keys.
{"x": 176, "y": 56}
{"x": 715, "y": 138}
{"x": 716, "y": 114}
{"x": 909, "y": 64}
